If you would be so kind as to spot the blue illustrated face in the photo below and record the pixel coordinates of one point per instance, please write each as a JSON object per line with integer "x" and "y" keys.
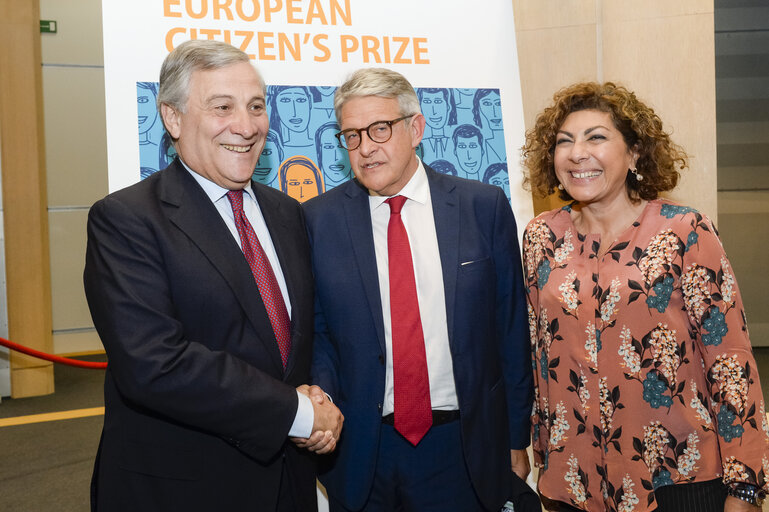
{"x": 469, "y": 154}
{"x": 501, "y": 179}
{"x": 336, "y": 167}
{"x": 325, "y": 90}
{"x": 148, "y": 112}
{"x": 294, "y": 109}
{"x": 435, "y": 109}
{"x": 466, "y": 92}
{"x": 267, "y": 166}
{"x": 491, "y": 110}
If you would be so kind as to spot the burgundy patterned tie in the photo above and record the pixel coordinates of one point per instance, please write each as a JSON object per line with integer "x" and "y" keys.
{"x": 413, "y": 412}
{"x": 263, "y": 275}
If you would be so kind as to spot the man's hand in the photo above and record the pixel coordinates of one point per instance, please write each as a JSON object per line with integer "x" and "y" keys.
{"x": 327, "y": 424}
{"x": 519, "y": 461}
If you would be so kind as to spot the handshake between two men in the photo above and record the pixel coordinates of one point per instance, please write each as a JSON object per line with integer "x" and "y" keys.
{"x": 327, "y": 422}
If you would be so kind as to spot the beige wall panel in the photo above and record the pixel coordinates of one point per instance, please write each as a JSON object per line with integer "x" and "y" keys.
{"x": 75, "y": 131}
{"x": 553, "y": 13}
{"x": 670, "y": 65}
{"x": 747, "y": 259}
{"x": 79, "y": 32}
{"x": 77, "y": 342}
{"x": 550, "y": 59}
{"x": 68, "y": 240}
{"x": 623, "y": 10}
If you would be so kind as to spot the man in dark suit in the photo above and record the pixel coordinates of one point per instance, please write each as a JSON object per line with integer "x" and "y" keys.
{"x": 421, "y": 333}
{"x": 199, "y": 284}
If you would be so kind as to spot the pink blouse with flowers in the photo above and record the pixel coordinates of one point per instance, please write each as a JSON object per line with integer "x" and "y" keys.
{"x": 643, "y": 368}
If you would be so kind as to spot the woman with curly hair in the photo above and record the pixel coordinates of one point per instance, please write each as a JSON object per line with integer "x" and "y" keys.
{"x": 647, "y": 392}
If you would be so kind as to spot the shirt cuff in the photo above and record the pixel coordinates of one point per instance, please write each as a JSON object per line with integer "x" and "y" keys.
{"x": 305, "y": 416}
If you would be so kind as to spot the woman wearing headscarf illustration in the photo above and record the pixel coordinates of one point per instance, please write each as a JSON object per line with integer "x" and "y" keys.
{"x": 300, "y": 178}
{"x": 266, "y": 170}
{"x": 487, "y": 114}
{"x": 332, "y": 158}
{"x": 496, "y": 174}
{"x": 146, "y": 106}
{"x": 290, "y": 109}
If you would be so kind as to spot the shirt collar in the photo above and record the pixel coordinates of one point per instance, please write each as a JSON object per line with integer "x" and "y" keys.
{"x": 212, "y": 190}
{"x": 416, "y": 189}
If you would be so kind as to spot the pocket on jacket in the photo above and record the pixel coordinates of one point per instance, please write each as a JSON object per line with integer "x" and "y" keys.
{"x": 475, "y": 265}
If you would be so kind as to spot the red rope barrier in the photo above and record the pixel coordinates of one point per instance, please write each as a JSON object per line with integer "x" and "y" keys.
{"x": 50, "y": 357}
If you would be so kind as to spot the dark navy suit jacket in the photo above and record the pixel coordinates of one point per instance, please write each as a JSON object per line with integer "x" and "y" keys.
{"x": 198, "y": 406}
{"x": 487, "y": 326}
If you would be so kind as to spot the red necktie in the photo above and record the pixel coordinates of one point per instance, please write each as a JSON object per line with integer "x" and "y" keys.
{"x": 263, "y": 275}
{"x": 413, "y": 413}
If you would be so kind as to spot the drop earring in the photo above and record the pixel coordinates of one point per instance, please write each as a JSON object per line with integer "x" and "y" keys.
{"x": 560, "y": 186}
{"x": 638, "y": 177}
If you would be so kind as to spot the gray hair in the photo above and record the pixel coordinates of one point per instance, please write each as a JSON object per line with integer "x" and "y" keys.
{"x": 380, "y": 82}
{"x": 191, "y": 56}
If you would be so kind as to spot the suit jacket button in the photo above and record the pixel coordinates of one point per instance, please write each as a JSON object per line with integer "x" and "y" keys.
{"x": 379, "y": 406}
{"x": 381, "y": 359}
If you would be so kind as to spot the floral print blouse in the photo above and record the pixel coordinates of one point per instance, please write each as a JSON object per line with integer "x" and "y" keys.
{"x": 643, "y": 368}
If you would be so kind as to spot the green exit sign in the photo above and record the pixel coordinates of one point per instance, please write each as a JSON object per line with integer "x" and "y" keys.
{"x": 47, "y": 26}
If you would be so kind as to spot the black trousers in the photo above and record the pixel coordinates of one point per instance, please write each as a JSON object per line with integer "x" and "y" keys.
{"x": 706, "y": 496}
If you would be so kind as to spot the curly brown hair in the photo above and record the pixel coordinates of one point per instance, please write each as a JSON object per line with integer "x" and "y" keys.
{"x": 659, "y": 158}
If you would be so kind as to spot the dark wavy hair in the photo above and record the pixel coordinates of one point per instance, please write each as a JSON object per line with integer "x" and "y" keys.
{"x": 659, "y": 160}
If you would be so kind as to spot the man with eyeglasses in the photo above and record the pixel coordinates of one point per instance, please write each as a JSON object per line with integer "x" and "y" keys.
{"x": 421, "y": 334}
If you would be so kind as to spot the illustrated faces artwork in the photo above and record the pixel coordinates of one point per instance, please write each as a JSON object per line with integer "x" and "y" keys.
{"x": 333, "y": 158}
{"x": 146, "y": 104}
{"x": 491, "y": 110}
{"x": 266, "y": 169}
{"x": 300, "y": 178}
{"x": 293, "y": 104}
{"x": 469, "y": 153}
{"x": 435, "y": 108}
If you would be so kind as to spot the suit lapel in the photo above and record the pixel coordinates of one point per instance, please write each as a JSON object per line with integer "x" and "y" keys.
{"x": 357, "y": 214}
{"x": 445, "y": 199}
{"x": 198, "y": 218}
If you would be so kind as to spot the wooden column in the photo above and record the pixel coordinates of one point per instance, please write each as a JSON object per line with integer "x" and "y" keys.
{"x": 22, "y": 163}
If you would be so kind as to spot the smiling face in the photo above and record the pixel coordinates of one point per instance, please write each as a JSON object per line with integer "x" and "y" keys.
{"x": 293, "y": 109}
{"x": 336, "y": 168}
{"x": 222, "y": 132}
{"x": 591, "y": 158}
{"x": 469, "y": 153}
{"x": 491, "y": 110}
{"x": 435, "y": 109}
{"x": 383, "y": 168}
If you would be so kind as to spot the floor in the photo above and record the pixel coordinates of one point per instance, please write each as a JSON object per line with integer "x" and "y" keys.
{"x": 46, "y": 465}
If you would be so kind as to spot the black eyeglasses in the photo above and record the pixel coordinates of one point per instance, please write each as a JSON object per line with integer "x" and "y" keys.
{"x": 378, "y": 131}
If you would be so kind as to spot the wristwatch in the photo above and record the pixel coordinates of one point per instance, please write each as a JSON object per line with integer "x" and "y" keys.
{"x": 747, "y": 492}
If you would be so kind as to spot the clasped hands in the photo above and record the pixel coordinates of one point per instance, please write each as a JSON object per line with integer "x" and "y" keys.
{"x": 327, "y": 423}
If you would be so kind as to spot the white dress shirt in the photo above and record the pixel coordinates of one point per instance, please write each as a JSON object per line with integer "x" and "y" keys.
{"x": 302, "y": 426}
{"x": 417, "y": 215}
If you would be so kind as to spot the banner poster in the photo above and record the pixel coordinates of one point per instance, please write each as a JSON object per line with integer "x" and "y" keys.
{"x": 460, "y": 57}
